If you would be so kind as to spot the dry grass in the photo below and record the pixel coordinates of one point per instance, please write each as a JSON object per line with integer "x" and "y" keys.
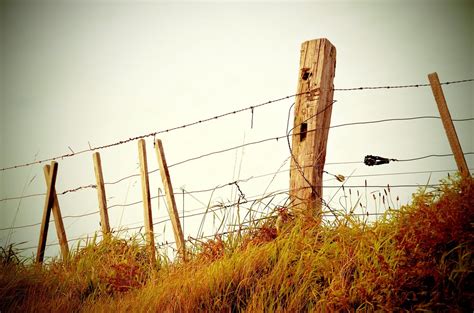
{"x": 416, "y": 258}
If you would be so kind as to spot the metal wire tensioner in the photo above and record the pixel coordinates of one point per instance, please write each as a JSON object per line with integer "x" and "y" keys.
{"x": 371, "y": 160}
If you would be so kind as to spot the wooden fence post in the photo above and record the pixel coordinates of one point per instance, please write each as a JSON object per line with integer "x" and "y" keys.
{"x": 448, "y": 124}
{"x": 172, "y": 210}
{"x": 58, "y": 219}
{"x": 313, "y": 109}
{"x": 104, "y": 215}
{"x": 146, "y": 198}
{"x": 48, "y": 203}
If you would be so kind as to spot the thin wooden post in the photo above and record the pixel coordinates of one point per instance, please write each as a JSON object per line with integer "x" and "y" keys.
{"x": 313, "y": 109}
{"x": 172, "y": 210}
{"x": 104, "y": 215}
{"x": 448, "y": 124}
{"x": 48, "y": 203}
{"x": 146, "y": 198}
{"x": 58, "y": 219}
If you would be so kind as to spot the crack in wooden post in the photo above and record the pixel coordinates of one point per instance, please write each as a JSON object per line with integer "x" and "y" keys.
{"x": 313, "y": 109}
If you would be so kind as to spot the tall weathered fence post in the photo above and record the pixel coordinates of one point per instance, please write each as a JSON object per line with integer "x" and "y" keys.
{"x": 172, "y": 210}
{"x": 150, "y": 237}
{"x": 313, "y": 109}
{"x": 448, "y": 124}
{"x": 48, "y": 204}
{"x": 104, "y": 215}
{"x": 58, "y": 219}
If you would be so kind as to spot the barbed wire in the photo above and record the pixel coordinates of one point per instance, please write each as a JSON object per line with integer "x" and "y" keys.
{"x": 401, "y": 86}
{"x": 251, "y": 199}
{"x": 93, "y": 186}
{"x": 244, "y": 180}
{"x": 213, "y": 209}
{"x": 284, "y": 136}
{"x": 216, "y": 117}
{"x": 168, "y": 243}
{"x": 286, "y": 191}
{"x": 215, "y": 235}
{"x": 210, "y": 210}
{"x": 234, "y": 182}
{"x": 153, "y": 134}
{"x": 90, "y": 213}
{"x": 220, "y": 207}
{"x": 192, "y": 192}
{"x": 240, "y": 229}
{"x": 277, "y": 138}
{"x": 240, "y": 146}
{"x": 258, "y": 197}
{"x": 230, "y": 184}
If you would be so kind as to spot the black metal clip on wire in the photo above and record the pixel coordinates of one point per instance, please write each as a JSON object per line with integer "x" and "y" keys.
{"x": 371, "y": 160}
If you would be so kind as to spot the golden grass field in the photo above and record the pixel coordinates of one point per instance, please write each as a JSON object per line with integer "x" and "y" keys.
{"x": 417, "y": 258}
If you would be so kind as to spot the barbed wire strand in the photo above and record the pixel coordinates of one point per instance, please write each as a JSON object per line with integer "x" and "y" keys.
{"x": 285, "y": 136}
{"x": 153, "y": 134}
{"x": 250, "y": 178}
{"x": 221, "y": 233}
{"x": 212, "y": 209}
{"x": 218, "y": 205}
{"x": 401, "y": 86}
{"x": 93, "y": 186}
{"x": 251, "y": 108}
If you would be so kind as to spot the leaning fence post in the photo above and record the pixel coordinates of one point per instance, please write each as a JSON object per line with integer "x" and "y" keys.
{"x": 58, "y": 219}
{"x": 172, "y": 210}
{"x": 48, "y": 203}
{"x": 448, "y": 124}
{"x": 313, "y": 107}
{"x": 146, "y": 198}
{"x": 104, "y": 215}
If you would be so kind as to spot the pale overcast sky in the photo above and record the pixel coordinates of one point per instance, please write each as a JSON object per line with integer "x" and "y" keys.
{"x": 74, "y": 73}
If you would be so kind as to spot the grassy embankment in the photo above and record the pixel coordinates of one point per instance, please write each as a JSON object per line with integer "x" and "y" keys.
{"x": 416, "y": 258}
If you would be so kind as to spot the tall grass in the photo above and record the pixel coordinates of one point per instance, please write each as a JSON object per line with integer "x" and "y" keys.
{"x": 416, "y": 258}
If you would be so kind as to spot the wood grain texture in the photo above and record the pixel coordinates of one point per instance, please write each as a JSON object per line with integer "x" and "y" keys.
{"x": 58, "y": 219}
{"x": 104, "y": 215}
{"x": 48, "y": 203}
{"x": 172, "y": 210}
{"x": 313, "y": 113}
{"x": 448, "y": 124}
{"x": 150, "y": 238}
